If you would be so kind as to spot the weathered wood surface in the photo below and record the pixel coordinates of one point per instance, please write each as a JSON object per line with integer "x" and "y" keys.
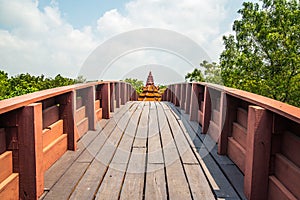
{"x": 147, "y": 150}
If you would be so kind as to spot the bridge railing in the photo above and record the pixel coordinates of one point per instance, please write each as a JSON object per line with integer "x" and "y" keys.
{"x": 260, "y": 135}
{"x": 38, "y": 128}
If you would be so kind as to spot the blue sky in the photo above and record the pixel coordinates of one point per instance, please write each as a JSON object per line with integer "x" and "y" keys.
{"x": 58, "y": 36}
{"x": 81, "y": 12}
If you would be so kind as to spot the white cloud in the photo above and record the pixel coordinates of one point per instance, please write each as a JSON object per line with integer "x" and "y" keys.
{"x": 38, "y": 41}
{"x": 41, "y": 42}
{"x": 199, "y": 20}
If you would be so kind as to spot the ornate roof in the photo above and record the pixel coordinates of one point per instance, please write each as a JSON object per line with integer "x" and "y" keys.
{"x": 150, "y": 80}
{"x": 150, "y": 91}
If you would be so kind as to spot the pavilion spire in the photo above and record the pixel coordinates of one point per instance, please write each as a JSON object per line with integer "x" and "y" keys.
{"x": 150, "y": 80}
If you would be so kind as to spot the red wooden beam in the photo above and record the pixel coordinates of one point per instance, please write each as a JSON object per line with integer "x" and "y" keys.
{"x": 31, "y": 152}
{"x": 257, "y": 153}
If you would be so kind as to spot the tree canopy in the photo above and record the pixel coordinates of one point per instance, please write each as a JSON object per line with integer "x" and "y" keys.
{"x": 195, "y": 76}
{"x": 212, "y": 73}
{"x": 263, "y": 56}
{"x": 26, "y": 83}
{"x": 136, "y": 84}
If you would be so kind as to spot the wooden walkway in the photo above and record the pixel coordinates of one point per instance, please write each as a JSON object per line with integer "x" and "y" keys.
{"x": 147, "y": 150}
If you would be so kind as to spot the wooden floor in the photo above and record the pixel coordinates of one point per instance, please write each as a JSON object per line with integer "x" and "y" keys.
{"x": 146, "y": 150}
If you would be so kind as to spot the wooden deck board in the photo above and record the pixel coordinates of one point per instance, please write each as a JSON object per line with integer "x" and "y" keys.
{"x": 147, "y": 150}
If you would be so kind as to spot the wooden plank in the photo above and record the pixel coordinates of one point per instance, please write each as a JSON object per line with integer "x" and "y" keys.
{"x": 177, "y": 183}
{"x": 6, "y": 168}
{"x": 213, "y": 131}
{"x": 80, "y": 114}
{"x": 198, "y": 182}
{"x": 288, "y": 173}
{"x": 182, "y": 144}
{"x": 133, "y": 185}
{"x": 290, "y": 147}
{"x": 92, "y": 141}
{"x": 118, "y": 165}
{"x": 64, "y": 187}
{"x": 239, "y": 133}
{"x": 236, "y": 153}
{"x": 2, "y": 141}
{"x": 54, "y": 151}
{"x": 217, "y": 180}
{"x": 58, "y": 169}
{"x": 99, "y": 114}
{"x": 111, "y": 184}
{"x": 94, "y": 175}
{"x": 142, "y": 131}
{"x": 216, "y": 116}
{"x": 82, "y": 127}
{"x": 48, "y": 102}
{"x": 155, "y": 182}
{"x": 53, "y": 132}
{"x": 50, "y": 115}
{"x": 277, "y": 191}
{"x": 97, "y": 104}
{"x": 79, "y": 102}
{"x": 9, "y": 188}
{"x": 242, "y": 117}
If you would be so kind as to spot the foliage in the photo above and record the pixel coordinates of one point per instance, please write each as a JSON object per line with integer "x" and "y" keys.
{"x": 212, "y": 73}
{"x": 194, "y": 76}
{"x": 26, "y": 83}
{"x": 263, "y": 56}
{"x": 162, "y": 88}
{"x": 136, "y": 84}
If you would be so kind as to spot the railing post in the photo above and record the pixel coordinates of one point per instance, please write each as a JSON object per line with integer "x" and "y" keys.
{"x": 123, "y": 93}
{"x": 105, "y": 94}
{"x": 112, "y": 97}
{"x": 195, "y": 107}
{"x": 67, "y": 114}
{"x": 177, "y": 94}
{"x": 229, "y": 116}
{"x": 31, "y": 152}
{"x": 117, "y": 94}
{"x": 168, "y": 94}
{"x": 172, "y": 94}
{"x": 90, "y": 106}
{"x": 182, "y": 96}
{"x": 257, "y": 153}
{"x": 188, "y": 98}
{"x": 206, "y": 111}
{"x": 223, "y": 107}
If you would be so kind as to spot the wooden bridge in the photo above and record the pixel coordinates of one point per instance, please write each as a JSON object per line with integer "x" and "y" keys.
{"x": 95, "y": 141}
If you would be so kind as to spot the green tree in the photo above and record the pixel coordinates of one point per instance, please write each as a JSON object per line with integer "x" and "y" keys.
{"x": 136, "y": 84}
{"x": 212, "y": 72}
{"x": 264, "y": 54}
{"x": 4, "y": 84}
{"x": 26, "y": 83}
{"x": 194, "y": 76}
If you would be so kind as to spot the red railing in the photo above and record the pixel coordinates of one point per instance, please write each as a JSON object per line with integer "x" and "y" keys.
{"x": 38, "y": 128}
{"x": 260, "y": 135}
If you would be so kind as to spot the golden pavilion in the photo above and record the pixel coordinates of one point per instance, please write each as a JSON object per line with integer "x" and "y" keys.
{"x": 150, "y": 91}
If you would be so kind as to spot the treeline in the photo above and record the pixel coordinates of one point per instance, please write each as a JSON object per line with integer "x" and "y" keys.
{"x": 262, "y": 55}
{"x": 26, "y": 83}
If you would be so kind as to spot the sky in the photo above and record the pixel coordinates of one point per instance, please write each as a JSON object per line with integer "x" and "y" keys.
{"x": 53, "y": 37}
